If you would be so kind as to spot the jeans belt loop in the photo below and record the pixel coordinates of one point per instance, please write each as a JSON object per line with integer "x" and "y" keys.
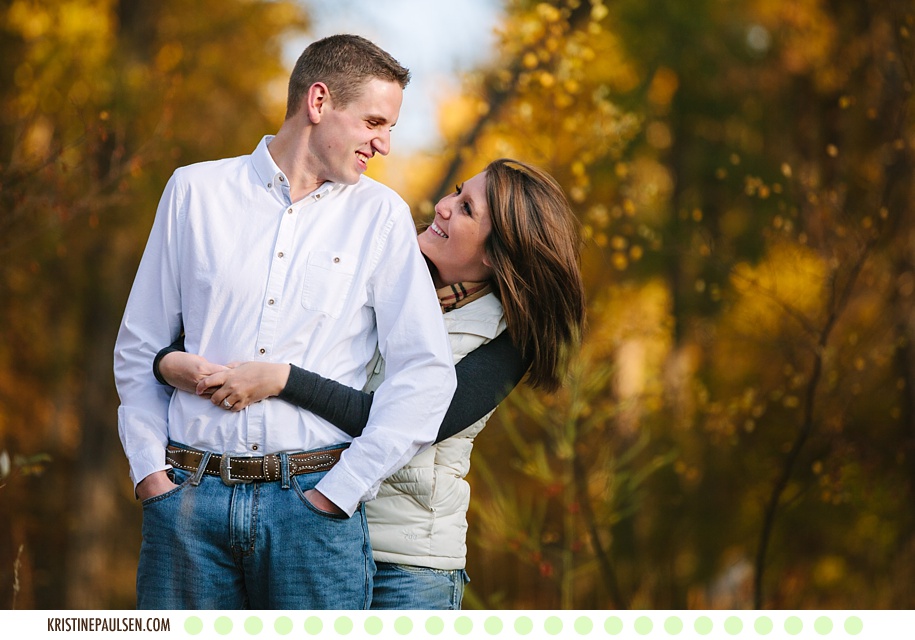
{"x": 198, "y": 475}
{"x": 284, "y": 470}
{"x": 225, "y": 471}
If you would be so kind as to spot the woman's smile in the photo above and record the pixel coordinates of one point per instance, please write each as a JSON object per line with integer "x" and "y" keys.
{"x": 437, "y": 230}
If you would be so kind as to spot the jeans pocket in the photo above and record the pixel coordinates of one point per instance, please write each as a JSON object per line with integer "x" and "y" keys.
{"x": 300, "y": 491}
{"x": 322, "y": 513}
{"x": 414, "y": 569}
{"x": 180, "y": 477}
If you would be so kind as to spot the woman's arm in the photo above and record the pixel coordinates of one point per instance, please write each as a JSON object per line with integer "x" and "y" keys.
{"x": 239, "y": 385}
{"x": 174, "y": 367}
{"x": 177, "y": 345}
{"x": 484, "y": 378}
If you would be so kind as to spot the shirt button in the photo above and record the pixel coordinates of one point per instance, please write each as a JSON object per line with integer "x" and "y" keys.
{"x": 336, "y": 259}
{"x": 254, "y": 447}
{"x": 271, "y": 301}
{"x": 281, "y": 178}
{"x": 317, "y": 196}
{"x": 263, "y": 351}
{"x": 269, "y": 185}
{"x": 288, "y": 210}
{"x": 280, "y": 254}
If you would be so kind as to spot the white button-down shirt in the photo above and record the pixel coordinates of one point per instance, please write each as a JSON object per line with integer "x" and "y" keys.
{"x": 250, "y": 275}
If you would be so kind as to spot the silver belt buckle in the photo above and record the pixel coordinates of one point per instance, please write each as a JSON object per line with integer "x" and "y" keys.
{"x": 225, "y": 472}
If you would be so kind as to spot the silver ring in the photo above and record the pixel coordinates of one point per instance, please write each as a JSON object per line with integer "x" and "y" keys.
{"x": 226, "y": 404}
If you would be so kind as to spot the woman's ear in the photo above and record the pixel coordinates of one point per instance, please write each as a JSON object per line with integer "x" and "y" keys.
{"x": 488, "y": 264}
{"x": 316, "y": 101}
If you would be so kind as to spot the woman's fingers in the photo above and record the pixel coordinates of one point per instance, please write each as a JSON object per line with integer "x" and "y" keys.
{"x": 243, "y": 384}
{"x": 208, "y": 385}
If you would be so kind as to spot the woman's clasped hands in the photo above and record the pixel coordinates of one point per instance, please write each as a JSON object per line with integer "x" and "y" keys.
{"x": 233, "y": 387}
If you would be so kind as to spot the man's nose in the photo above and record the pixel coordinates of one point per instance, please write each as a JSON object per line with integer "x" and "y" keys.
{"x": 382, "y": 142}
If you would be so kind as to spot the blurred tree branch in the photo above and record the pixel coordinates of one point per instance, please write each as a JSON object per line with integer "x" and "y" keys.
{"x": 498, "y": 91}
{"x": 838, "y": 301}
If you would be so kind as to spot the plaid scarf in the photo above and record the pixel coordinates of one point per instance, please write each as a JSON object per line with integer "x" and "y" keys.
{"x": 457, "y": 295}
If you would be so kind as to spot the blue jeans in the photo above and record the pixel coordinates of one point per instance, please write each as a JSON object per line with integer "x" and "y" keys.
{"x": 401, "y": 586}
{"x": 260, "y": 546}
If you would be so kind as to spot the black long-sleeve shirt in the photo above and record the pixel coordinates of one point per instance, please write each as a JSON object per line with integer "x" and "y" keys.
{"x": 485, "y": 377}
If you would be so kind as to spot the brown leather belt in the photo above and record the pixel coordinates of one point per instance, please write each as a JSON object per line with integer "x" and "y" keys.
{"x": 239, "y": 469}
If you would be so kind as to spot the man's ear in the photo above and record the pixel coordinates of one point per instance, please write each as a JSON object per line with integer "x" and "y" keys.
{"x": 317, "y": 101}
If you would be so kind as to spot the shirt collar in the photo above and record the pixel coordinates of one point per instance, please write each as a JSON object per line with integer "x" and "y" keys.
{"x": 270, "y": 176}
{"x": 268, "y": 173}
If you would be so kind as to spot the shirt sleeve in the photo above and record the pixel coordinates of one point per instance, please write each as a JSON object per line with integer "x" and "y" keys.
{"x": 484, "y": 378}
{"x": 419, "y": 380}
{"x": 151, "y": 318}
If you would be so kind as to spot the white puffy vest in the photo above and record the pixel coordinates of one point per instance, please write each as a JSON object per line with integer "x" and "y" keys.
{"x": 420, "y": 515}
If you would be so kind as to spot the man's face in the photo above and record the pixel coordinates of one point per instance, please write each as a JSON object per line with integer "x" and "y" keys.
{"x": 346, "y": 139}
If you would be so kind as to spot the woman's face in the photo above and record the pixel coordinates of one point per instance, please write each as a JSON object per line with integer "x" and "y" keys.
{"x": 454, "y": 242}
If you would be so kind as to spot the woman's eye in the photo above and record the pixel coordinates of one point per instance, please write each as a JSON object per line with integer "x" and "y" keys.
{"x": 466, "y": 207}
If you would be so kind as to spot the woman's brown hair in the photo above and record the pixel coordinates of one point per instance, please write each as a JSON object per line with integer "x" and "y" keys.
{"x": 534, "y": 249}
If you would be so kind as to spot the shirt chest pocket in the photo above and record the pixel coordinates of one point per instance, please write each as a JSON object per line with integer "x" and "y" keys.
{"x": 328, "y": 279}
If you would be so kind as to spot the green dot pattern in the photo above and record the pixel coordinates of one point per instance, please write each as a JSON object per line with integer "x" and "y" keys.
{"x": 822, "y": 625}
{"x": 373, "y": 625}
{"x": 313, "y": 625}
{"x": 634, "y": 624}
{"x": 223, "y": 625}
{"x": 854, "y": 625}
{"x": 643, "y": 625}
{"x": 463, "y": 625}
{"x": 193, "y": 625}
{"x": 403, "y": 625}
{"x": 254, "y": 625}
{"x": 493, "y": 625}
{"x": 583, "y": 625}
{"x": 673, "y": 625}
{"x": 523, "y": 625}
{"x": 613, "y": 626}
{"x": 435, "y": 625}
{"x": 283, "y": 625}
{"x": 794, "y": 625}
{"x": 343, "y": 625}
{"x": 703, "y": 625}
{"x": 733, "y": 625}
{"x": 763, "y": 625}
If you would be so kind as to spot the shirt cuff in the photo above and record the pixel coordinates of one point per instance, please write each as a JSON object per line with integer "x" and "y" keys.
{"x": 342, "y": 488}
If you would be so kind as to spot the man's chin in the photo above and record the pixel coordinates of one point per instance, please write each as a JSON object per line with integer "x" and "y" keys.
{"x": 351, "y": 178}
